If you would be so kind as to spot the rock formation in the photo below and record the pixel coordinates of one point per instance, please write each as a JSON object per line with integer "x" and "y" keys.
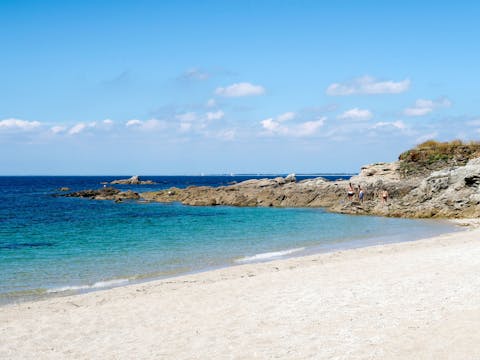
{"x": 107, "y": 193}
{"x": 291, "y": 178}
{"x": 451, "y": 192}
{"x": 134, "y": 180}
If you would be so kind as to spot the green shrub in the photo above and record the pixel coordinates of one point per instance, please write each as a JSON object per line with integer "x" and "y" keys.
{"x": 433, "y": 155}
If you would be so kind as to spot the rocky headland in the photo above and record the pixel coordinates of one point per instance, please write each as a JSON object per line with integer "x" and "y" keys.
{"x": 439, "y": 180}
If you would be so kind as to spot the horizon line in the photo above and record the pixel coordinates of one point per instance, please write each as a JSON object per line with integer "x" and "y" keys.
{"x": 193, "y": 174}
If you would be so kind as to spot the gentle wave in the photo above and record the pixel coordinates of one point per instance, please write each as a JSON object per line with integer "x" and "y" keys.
{"x": 269, "y": 255}
{"x": 26, "y": 245}
{"x": 97, "y": 285}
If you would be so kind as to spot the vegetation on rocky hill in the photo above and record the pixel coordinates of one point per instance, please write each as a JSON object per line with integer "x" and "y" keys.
{"x": 433, "y": 155}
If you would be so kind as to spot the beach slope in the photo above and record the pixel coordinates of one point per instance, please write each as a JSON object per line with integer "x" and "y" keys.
{"x": 413, "y": 300}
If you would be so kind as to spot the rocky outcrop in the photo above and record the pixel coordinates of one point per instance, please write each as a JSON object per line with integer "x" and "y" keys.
{"x": 134, "y": 180}
{"x": 291, "y": 178}
{"x": 264, "y": 192}
{"x": 453, "y": 192}
{"x": 107, "y": 193}
{"x": 448, "y": 193}
{"x": 387, "y": 171}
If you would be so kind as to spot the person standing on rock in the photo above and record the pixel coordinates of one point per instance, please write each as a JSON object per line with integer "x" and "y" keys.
{"x": 350, "y": 192}
{"x": 361, "y": 194}
{"x": 384, "y": 196}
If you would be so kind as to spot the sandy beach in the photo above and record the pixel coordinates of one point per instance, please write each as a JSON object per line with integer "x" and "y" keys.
{"x": 412, "y": 300}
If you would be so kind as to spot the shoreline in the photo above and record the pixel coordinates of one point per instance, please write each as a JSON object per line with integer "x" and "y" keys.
{"x": 41, "y": 294}
{"x": 410, "y": 299}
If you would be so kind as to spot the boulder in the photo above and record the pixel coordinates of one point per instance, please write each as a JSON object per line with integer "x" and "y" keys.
{"x": 291, "y": 178}
{"x": 280, "y": 180}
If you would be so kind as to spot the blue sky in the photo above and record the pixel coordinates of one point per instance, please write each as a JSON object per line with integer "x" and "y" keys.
{"x": 188, "y": 87}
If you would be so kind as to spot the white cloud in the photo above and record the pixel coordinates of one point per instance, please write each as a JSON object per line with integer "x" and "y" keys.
{"x": 77, "y": 129}
{"x": 395, "y": 124}
{"x": 369, "y": 86}
{"x": 133, "y": 122}
{"x": 152, "y": 124}
{"x": 189, "y": 116}
{"x": 423, "y": 107}
{"x": 18, "y": 125}
{"x": 286, "y": 116}
{"x": 270, "y": 125}
{"x": 216, "y": 115}
{"x": 57, "y": 129}
{"x": 356, "y": 114}
{"x": 240, "y": 89}
{"x": 275, "y": 127}
{"x": 416, "y": 111}
{"x": 308, "y": 128}
{"x": 80, "y": 127}
{"x": 108, "y": 122}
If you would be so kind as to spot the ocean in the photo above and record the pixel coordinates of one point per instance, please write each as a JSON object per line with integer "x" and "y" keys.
{"x": 51, "y": 246}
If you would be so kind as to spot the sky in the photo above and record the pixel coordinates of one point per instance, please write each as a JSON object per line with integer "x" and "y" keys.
{"x": 213, "y": 87}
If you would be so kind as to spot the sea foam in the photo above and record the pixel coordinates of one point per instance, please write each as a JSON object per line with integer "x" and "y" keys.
{"x": 268, "y": 255}
{"x": 97, "y": 285}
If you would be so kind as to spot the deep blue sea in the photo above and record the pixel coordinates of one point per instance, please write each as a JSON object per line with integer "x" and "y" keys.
{"x": 55, "y": 245}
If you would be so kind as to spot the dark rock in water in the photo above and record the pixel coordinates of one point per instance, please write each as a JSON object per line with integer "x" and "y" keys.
{"x": 128, "y": 195}
{"x": 107, "y": 193}
{"x": 134, "y": 180}
{"x": 104, "y": 192}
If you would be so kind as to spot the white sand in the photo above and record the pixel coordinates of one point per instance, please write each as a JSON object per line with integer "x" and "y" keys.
{"x": 417, "y": 300}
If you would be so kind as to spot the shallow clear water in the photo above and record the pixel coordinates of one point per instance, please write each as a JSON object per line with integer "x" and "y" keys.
{"x": 54, "y": 244}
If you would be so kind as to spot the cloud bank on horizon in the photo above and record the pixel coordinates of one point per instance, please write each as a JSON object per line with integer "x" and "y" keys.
{"x": 205, "y": 100}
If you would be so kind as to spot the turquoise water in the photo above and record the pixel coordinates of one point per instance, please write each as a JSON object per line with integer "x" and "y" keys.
{"x": 53, "y": 245}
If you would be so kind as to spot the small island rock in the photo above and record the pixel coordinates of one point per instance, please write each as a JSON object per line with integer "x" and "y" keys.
{"x": 134, "y": 180}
